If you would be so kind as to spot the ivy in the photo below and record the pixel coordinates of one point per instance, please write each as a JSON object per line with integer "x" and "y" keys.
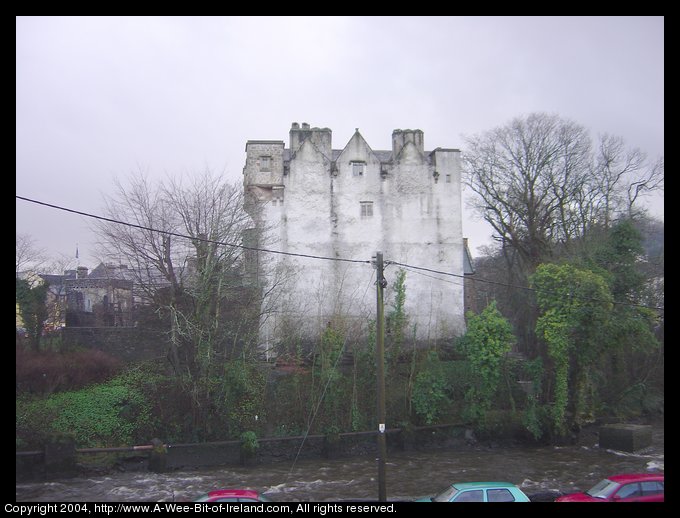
{"x": 242, "y": 395}
{"x": 430, "y": 390}
{"x": 364, "y": 382}
{"x": 488, "y": 339}
{"x": 249, "y": 443}
{"x": 329, "y": 386}
{"x": 533, "y": 415}
{"x": 109, "y": 414}
{"x": 576, "y": 306}
{"x": 396, "y": 320}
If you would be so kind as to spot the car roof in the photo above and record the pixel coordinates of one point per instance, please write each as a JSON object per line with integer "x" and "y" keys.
{"x": 479, "y": 485}
{"x": 240, "y": 493}
{"x": 628, "y": 477}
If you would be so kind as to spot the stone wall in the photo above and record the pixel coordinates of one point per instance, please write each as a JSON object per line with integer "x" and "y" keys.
{"x": 277, "y": 449}
{"x": 271, "y": 450}
{"x": 625, "y": 437}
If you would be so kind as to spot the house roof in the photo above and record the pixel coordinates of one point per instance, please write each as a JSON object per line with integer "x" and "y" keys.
{"x": 111, "y": 271}
{"x": 51, "y": 279}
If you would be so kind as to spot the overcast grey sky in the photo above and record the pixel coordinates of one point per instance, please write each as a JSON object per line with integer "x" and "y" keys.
{"x": 103, "y": 97}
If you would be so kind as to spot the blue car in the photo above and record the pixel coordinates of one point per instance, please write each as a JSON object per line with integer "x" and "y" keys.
{"x": 479, "y": 492}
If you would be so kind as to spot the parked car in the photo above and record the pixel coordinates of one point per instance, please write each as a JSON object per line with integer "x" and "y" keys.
{"x": 232, "y": 495}
{"x": 629, "y": 487}
{"x": 479, "y": 492}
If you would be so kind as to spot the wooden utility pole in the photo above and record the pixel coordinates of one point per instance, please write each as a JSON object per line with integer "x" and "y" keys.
{"x": 381, "y": 283}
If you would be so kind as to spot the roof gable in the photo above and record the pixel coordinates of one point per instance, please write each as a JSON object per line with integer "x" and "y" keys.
{"x": 307, "y": 150}
{"x": 357, "y": 148}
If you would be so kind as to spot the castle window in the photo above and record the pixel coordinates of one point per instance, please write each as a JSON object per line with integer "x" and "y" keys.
{"x": 366, "y": 209}
{"x": 358, "y": 168}
{"x": 265, "y": 163}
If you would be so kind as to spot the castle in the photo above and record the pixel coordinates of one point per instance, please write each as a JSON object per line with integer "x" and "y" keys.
{"x": 348, "y": 203}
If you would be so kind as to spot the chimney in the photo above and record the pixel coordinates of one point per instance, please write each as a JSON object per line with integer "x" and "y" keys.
{"x": 81, "y": 273}
{"x": 320, "y": 137}
{"x": 401, "y": 137}
{"x": 298, "y": 136}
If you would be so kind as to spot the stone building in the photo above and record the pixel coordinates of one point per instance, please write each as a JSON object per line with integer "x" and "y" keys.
{"x": 82, "y": 298}
{"x": 100, "y": 298}
{"x": 347, "y": 204}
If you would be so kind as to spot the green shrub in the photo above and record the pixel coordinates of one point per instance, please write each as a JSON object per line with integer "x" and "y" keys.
{"x": 249, "y": 443}
{"x": 430, "y": 395}
{"x": 109, "y": 414}
{"x": 488, "y": 339}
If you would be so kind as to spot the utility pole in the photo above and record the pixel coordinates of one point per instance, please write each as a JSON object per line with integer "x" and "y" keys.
{"x": 381, "y": 283}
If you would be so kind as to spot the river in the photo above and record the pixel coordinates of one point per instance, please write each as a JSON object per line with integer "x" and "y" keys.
{"x": 410, "y": 474}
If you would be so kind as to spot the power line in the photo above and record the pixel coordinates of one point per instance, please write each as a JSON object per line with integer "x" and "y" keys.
{"x": 409, "y": 269}
{"x": 308, "y": 256}
{"x": 183, "y": 236}
{"x": 439, "y": 272}
{"x": 449, "y": 274}
{"x": 438, "y": 279}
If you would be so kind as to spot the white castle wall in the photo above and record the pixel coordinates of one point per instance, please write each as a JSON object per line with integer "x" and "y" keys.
{"x": 314, "y": 207}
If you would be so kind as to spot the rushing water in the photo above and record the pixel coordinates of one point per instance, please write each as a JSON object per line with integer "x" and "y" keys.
{"x": 408, "y": 475}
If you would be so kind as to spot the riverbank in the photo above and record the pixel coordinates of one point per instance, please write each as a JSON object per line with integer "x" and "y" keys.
{"x": 536, "y": 469}
{"x": 275, "y": 450}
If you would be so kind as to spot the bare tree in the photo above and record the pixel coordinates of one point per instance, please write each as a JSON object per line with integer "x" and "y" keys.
{"x": 212, "y": 214}
{"x": 546, "y": 191}
{"x": 185, "y": 254}
{"x": 526, "y": 175}
{"x": 29, "y": 256}
{"x": 621, "y": 177}
{"x": 146, "y": 246}
{"x": 183, "y": 238}
{"x": 60, "y": 264}
{"x": 540, "y": 185}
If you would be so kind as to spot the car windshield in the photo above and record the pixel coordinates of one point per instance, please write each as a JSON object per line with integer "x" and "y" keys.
{"x": 602, "y": 489}
{"x": 446, "y": 495}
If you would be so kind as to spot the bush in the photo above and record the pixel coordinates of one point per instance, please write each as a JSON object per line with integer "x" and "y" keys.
{"x": 109, "y": 414}
{"x": 249, "y": 447}
{"x": 430, "y": 395}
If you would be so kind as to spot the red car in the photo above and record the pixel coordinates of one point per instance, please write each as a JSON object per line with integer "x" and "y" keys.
{"x": 232, "y": 495}
{"x": 632, "y": 487}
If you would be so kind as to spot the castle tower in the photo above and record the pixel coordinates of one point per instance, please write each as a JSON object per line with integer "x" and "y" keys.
{"x": 319, "y": 202}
